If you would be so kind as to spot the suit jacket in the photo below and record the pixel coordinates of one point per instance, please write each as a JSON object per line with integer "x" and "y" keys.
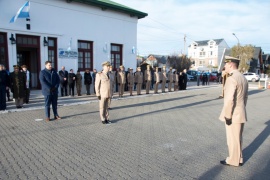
{"x": 139, "y": 77}
{"x": 103, "y": 85}
{"x": 235, "y": 98}
{"x": 18, "y": 84}
{"x": 63, "y": 75}
{"x": 49, "y": 79}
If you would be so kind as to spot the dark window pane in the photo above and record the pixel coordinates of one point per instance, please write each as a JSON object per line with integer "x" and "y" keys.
{"x": 1, "y": 39}
{"x": 34, "y": 41}
{"x": 19, "y": 40}
{"x": 51, "y": 43}
{"x": 30, "y": 41}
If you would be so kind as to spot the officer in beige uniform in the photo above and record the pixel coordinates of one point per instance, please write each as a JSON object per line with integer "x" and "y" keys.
{"x": 170, "y": 79}
{"x": 163, "y": 79}
{"x": 121, "y": 79}
{"x": 156, "y": 80}
{"x": 130, "y": 80}
{"x": 234, "y": 111}
{"x": 112, "y": 78}
{"x": 147, "y": 78}
{"x": 175, "y": 80}
{"x": 139, "y": 80}
{"x": 103, "y": 92}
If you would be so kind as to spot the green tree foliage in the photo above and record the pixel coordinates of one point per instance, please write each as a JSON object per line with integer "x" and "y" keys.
{"x": 179, "y": 62}
{"x": 245, "y": 54}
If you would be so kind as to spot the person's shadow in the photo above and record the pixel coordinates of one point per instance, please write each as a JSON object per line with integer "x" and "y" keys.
{"x": 257, "y": 142}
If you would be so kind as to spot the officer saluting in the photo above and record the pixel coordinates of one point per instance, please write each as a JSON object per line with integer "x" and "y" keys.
{"x": 103, "y": 92}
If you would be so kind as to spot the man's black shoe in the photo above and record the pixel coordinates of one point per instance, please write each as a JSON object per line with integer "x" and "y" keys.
{"x": 108, "y": 121}
{"x": 104, "y": 122}
{"x": 224, "y": 163}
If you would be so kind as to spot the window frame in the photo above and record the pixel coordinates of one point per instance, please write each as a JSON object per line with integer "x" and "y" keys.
{"x": 115, "y": 53}
{"x": 84, "y": 51}
{"x": 5, "y": 46}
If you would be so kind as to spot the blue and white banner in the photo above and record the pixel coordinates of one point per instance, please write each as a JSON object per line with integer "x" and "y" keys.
{"x": 22, "y": 13}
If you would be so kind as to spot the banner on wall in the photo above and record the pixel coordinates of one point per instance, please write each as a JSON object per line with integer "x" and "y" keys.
{"x": 67, "y": 54}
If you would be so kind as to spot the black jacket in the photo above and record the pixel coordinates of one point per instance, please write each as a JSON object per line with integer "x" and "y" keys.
{"x": 87, "y": 78}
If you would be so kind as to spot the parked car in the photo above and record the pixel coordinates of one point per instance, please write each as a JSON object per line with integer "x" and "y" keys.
{"x": 252, "y": 76}
{"x": 213, "y": 77}
{"x": 190, "y": 78}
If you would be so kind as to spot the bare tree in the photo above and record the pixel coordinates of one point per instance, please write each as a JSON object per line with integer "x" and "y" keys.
{"x": 179, "y": 62}
{"x": 245, "y": 54}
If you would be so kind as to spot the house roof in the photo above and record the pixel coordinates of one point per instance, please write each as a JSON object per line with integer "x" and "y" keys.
{"x": 205, "y": 42}
{"x": 107, "y": 4}
{"x": 256, "y": 53}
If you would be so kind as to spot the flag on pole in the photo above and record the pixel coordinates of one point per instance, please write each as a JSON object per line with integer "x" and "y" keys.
{"x": 22, "y": 13}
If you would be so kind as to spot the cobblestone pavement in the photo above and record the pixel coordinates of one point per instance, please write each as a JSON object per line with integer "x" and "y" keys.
{"x": 166, "y": 136}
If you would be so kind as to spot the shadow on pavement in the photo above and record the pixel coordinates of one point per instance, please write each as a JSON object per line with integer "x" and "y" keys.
{"x": 176, "y": 107}
{"x": 256, "y": 143}
{"x": 255, "y": 91}
{"x": 155, "y": 102}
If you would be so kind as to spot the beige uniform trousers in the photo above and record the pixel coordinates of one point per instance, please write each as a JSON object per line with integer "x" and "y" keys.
{"x": 139, "y": 88}
{"x": 163, "y": 86}
{"x": 148, "y": 83}
{"x": 175, "y": 86}
{"x": 170, "y": 86}
{"x": 156, "y": 87}
{"x": 121, "y": 89}
{"x": 130, "y": 86}
{"x": 103, "y": 108}
{"x": 234, "y": 142}
{"x": 19, "y": 101}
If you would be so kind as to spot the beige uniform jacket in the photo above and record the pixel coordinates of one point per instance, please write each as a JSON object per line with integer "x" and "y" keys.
{"x": 235, "y": 98}
{"x": 147, "y": 75}
{"x": 121, "y": 77}
{"x": 176, "y": 77}
{"x": 130, "y": 78}
{"x": 103, "y": 85}
{"x": 157, "y": 76}
{"x": 139, "y": 77}
{"x": 163, "y": 76}
{"x": 170, "y": 76}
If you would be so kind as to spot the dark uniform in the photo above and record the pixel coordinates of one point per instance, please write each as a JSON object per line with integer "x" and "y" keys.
{"x": 18, "y": 86}
{"x": 87, "y": 81}
{"x": 71, "y": 82}
{"x": 79, "y": 83}
{"x": 4, "y": 83}
{"x": 63, "y": 75}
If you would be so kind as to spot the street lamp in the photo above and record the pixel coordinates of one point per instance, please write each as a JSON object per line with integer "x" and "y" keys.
{"x": 236, "y": 38}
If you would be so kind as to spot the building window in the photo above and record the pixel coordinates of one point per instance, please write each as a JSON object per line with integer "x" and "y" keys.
{"x": 201, "y": 62}
{"x": 85, "y": 55}
{"x": 52, "y": 51}
{"x": 202, "y": 54}
{"x": 3, "y": 50}
{"x": 116, "y": 55}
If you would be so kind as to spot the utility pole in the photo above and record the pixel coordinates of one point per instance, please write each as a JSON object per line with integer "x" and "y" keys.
{"x": 185, "y": 43}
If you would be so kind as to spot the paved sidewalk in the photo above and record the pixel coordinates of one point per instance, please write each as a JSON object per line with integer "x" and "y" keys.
{"x": 167, "y": 136}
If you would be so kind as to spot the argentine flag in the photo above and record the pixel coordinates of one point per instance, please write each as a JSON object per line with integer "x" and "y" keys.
{"x": 22, "y": 13}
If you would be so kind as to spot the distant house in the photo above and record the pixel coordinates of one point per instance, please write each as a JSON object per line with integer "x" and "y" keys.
{"x": 266, "y": 62}
{"x": 206, "y": 54}
{"x": 256, "y": 61}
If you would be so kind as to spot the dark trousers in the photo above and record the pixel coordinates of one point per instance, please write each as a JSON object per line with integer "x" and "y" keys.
{"x": 27, "y": 95}
{"x": 87, "y": 86}
{"x": 63, "y": 88}
{"x": 3, "y": 104}
{"x": 51, "y": 100}
{"x": 8, "y": 94}
{"x": 71, "y": 89}
{"x": 116, "y": 87}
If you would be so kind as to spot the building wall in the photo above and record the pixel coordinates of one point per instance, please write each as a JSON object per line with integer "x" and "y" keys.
{"x": 70, "y": 22}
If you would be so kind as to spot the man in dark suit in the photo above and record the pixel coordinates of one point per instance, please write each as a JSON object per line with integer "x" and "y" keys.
{"x": 63, "y": 74}
{"x": 4, "y": 83}
{"x": 49, "y": 80}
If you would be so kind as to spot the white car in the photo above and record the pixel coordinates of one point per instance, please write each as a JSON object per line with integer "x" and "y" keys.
{"x": 252, "y": 76}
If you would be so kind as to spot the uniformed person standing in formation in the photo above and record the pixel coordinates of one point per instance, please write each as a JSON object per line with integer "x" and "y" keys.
{"x": 103, "y": 92}
{"x": 63, "y": 75}
{"x": 234, "y": 111}
{"x": 156, "y": 80}
{"x": 139, "y": 80}
{"x": 18, "y": 86}
{"x": 170, "y": 79}
{"x": 71, "y": 82}
{"x": 112, "y": 78}
{"x": 185, "y": 79}
{"x": 28, "y": 81}
{"x": 163, "y": 79}
{"x": 121, "y": 79}
{"x": 79, "y": 83}
{"x": 87, "y": 81}
{"x": 4, "y": 83}
{"x": 148, "y": 78}
{"x": 224, "y": 77}
{"x": 175, "y": 80}
{"x": 130, "y": 79}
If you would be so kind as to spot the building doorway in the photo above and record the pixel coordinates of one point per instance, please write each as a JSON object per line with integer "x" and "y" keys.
{"x": 28, "y": 53}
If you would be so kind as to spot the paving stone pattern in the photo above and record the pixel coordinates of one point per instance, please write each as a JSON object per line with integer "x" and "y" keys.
{"x": 167, "y": 136}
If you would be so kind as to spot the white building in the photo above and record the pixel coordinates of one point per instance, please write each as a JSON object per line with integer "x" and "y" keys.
{"x": 72, "y": 33}
{"x": 206, "y": 54}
